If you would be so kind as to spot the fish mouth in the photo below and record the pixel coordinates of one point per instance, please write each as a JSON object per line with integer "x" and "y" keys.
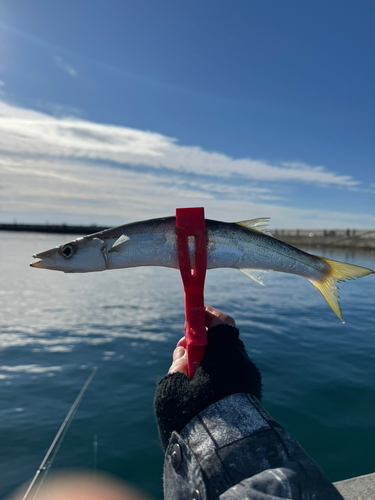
{"x": 37, "y": 263}
{"x": 44, "y": 260}
{"x": 42, "y": 255}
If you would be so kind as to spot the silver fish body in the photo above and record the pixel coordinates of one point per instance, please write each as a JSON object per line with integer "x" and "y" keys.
{"x": 242, "y": 245}
{"x": 154, "y": 243}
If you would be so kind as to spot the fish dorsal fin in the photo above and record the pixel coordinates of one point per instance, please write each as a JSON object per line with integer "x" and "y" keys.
{"x": 259, "y": 225}
{"x": 122, "y": 239}
{"x": 255, "y": 274}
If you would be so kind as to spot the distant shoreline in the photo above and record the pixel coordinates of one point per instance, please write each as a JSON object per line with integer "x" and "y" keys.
{"x": 340, "y": 238}
{"x": 53, "y": 228}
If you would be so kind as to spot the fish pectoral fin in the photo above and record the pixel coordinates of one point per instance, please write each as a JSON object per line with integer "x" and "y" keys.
{"x": 255, "y": 274}
{"x": 120, "y": 241}
{"x": 259, "y": 225}
{"x": 338, "y": 271}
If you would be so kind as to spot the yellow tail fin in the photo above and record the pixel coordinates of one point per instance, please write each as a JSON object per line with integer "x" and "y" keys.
{"x": 338, "y": 271}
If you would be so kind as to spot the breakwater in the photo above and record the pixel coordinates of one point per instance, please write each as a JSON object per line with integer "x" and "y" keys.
{"x": 53, "y": 228}
{"x": 319, "y": 238}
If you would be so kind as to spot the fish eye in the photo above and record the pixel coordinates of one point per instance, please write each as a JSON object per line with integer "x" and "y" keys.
{"x": 68, "y": 250}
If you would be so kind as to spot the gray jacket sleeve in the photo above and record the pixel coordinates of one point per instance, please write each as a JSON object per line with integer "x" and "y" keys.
{"x": 235, "y": 450}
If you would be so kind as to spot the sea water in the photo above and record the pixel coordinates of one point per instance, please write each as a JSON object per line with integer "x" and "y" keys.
{"x": 318, "y": 374}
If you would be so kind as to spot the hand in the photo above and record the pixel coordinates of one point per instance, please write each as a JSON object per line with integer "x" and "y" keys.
{"x": 212, "y": 317}
{"x": 225, "y": 369}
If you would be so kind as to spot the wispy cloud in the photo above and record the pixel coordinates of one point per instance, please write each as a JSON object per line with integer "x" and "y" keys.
{"x": 70, "y": 137}
{"x": 69, "y": 169}
{"x": 61, "y": 64}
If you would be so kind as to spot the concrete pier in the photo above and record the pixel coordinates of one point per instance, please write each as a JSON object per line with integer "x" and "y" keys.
{"x": 357, "y": 488}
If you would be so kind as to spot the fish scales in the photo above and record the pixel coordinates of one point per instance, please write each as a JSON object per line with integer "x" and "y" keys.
{"x": 243, "y": 248}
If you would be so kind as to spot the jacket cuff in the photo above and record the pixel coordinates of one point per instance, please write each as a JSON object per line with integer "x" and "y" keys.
{"x": 232, "y": 441}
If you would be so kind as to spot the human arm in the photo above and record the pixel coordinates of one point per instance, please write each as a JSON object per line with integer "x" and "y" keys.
{"x": 219, "y": 440}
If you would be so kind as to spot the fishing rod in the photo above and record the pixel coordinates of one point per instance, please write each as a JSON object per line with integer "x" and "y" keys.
{"x": 56, "y": 443}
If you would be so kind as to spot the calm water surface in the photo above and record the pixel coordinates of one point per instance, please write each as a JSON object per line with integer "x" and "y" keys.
{"x": 318, "y": 374}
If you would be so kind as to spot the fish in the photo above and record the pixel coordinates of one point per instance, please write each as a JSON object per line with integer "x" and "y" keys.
{"x": 246, "y": 245}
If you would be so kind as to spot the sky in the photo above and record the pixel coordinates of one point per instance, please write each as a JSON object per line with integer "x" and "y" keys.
{"x": 117, "y": 111}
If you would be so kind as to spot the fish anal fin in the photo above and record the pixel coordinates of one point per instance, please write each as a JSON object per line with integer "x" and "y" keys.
{"x": 259, "y": 225}
{"x": 120, "y": 241}
{"x": 337, "y": 272}
{"x": 255, "y": 274}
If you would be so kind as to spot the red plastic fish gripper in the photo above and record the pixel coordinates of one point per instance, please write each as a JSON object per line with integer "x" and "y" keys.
{"x": 190, "y": 227}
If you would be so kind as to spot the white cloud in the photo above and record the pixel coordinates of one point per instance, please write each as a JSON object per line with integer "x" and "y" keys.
{"x": 30, "y": 132}
{"x": 2, "y": 84}
{"x": 67, "y": 169}
{"x": 61, "y": 64}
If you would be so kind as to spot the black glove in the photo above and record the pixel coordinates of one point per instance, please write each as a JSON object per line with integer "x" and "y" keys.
{"x": 224, "y": 370}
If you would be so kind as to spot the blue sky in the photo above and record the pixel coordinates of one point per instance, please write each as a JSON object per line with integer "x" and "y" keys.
{"x": 123, "y": 110}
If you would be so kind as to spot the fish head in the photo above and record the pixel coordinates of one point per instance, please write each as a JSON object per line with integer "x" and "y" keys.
{"x": 82, "y": 255}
